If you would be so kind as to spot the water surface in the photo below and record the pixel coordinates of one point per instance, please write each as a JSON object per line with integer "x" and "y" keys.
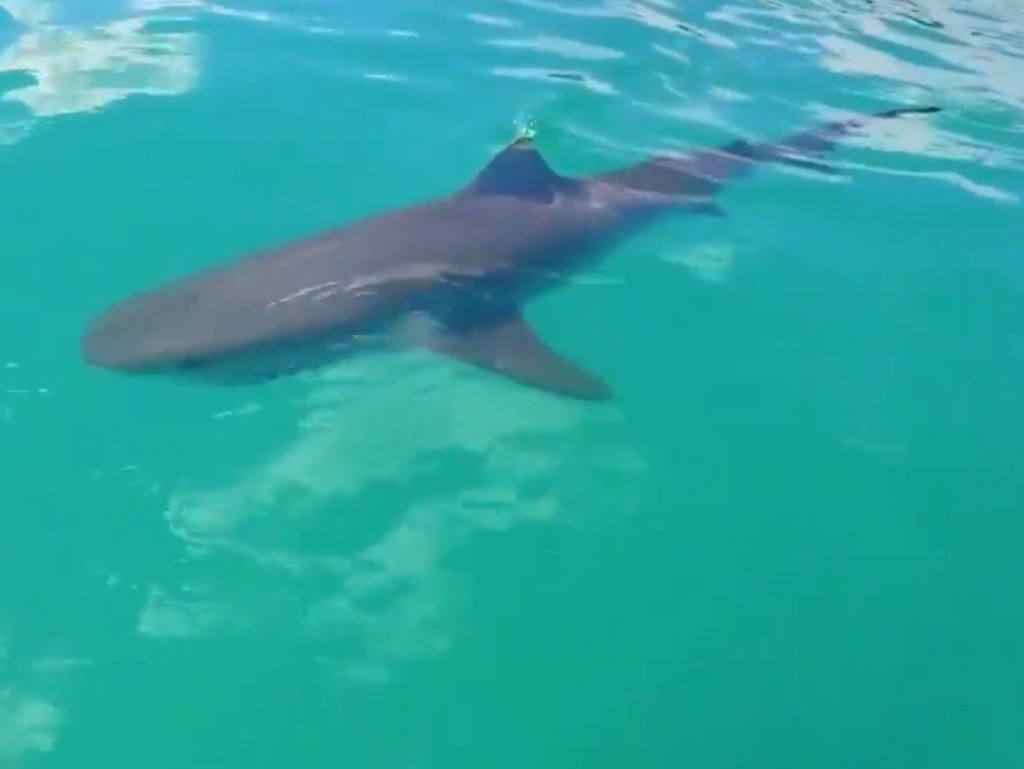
{"x": 791, "y": 540}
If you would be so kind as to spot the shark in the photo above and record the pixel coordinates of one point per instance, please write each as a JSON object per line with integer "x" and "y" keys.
{"x": 451, "y": 274}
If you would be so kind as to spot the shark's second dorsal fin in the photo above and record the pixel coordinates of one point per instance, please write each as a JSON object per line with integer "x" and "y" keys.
{"x": 518, "y": 171}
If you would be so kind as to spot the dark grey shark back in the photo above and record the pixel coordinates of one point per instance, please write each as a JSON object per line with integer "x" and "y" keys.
{"x": 466, "y": 263}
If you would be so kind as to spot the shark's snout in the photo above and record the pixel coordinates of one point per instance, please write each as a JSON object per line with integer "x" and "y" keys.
{"x": 140, "y": 333}
{"x": 109, "y": 343}
{"x": 125, "y": 338}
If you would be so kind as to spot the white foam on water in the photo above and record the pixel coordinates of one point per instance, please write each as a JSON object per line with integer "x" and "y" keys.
{"x": 77, "y": 69}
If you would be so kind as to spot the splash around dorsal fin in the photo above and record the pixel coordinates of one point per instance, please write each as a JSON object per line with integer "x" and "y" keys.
{"x": 518, "y": 171}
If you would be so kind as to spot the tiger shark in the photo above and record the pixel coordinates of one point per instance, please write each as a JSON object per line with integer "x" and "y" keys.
{"x": 451, "y": 274}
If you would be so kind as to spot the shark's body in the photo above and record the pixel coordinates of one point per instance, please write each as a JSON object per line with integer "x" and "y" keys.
{"x": 459, "y": 267}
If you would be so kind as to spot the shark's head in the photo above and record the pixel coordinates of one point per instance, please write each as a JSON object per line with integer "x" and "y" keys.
{"x": 142, "y": 336}
{"x": 123, "y": 340}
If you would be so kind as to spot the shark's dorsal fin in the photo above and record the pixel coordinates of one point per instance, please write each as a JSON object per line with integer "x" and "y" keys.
{"x": 518, "y": 171}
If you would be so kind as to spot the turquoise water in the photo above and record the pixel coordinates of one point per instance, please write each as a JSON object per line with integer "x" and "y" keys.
{"x": 793, "y": 538}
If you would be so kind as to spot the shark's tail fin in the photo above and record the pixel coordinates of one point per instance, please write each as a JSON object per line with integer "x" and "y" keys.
{"x": 804, "y": 149}
{"x": 909, "y": 111}
{"x": 702, "y": 173}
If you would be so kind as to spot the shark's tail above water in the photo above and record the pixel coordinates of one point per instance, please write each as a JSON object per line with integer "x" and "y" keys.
{"x": 703, "y": 173}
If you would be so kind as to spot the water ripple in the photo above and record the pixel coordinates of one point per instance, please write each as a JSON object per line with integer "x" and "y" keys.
{"x": 345, "y": 531}
{"x": 537, "y": 73}
{"x": 560, "y": 46}
{"x": 69, "y": 69}
{"x": 648, "y": 76}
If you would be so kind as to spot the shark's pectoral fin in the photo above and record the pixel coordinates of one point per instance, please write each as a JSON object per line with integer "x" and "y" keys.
{"x": 507, "y": 345}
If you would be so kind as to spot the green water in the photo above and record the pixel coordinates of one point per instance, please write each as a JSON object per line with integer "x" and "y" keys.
{"x": 793, "y": 538}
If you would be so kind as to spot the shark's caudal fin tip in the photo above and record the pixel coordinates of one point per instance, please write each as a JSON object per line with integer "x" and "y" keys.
{"x": 900, "y": 111}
